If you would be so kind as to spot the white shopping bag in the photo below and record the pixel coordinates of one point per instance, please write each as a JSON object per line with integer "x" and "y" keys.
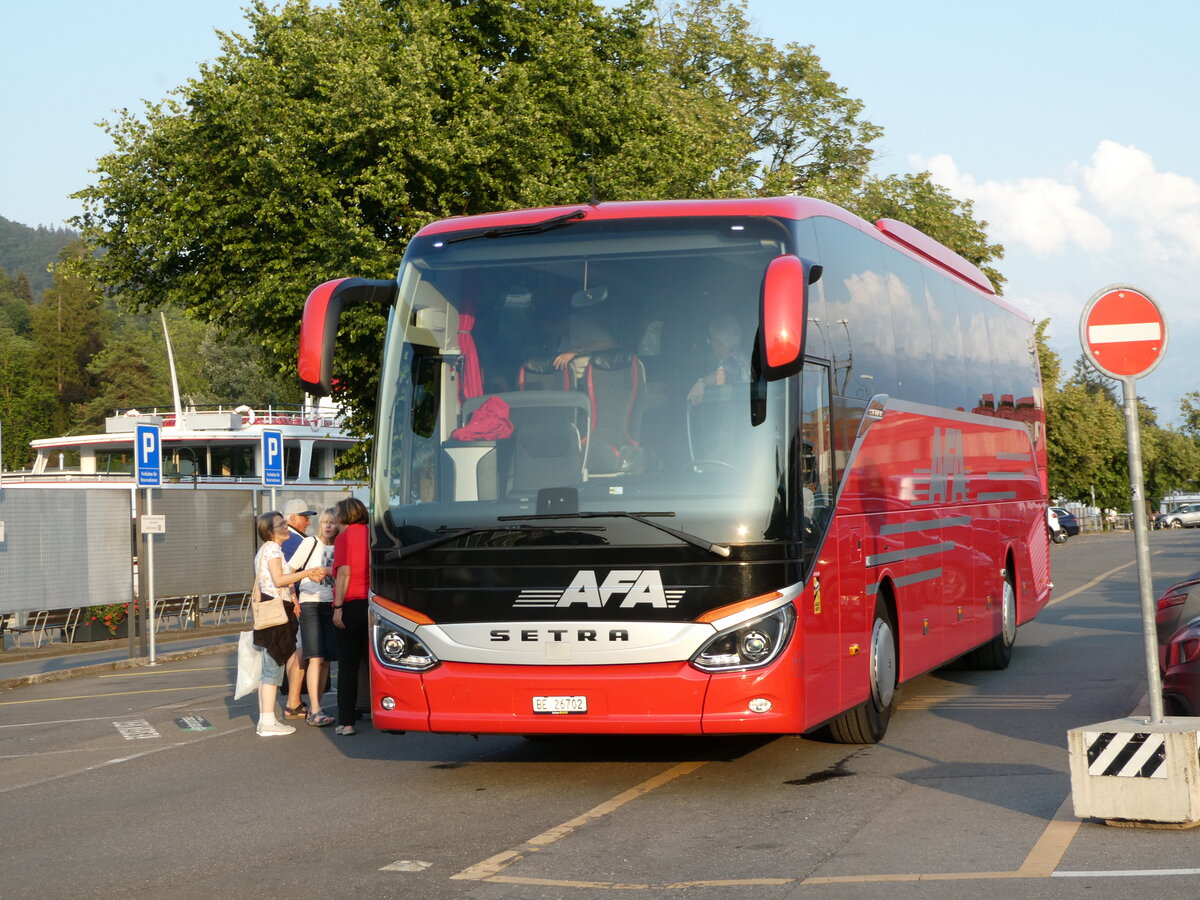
{"x": 249, "y": 672}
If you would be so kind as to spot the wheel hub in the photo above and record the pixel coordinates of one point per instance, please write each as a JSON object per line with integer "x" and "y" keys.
{"x": 883, "y": 664}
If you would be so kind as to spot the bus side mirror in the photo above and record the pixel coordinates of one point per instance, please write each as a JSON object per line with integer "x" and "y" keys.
{"x": 318, "y": 326}
{"x": 782, "y": 315}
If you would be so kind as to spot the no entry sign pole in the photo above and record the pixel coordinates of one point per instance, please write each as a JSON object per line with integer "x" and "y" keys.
{"x": 1124, "y": 335}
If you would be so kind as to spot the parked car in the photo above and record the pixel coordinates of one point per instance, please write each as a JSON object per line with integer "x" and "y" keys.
{"x": 1185, "y": 516}
{"x": 1066, "y": 520}
{"x": 1057, "y": 534}
{"x": 1177, "y": 623}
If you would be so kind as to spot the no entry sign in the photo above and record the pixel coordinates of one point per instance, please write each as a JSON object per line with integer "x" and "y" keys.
{"x": 1123, "y": 333}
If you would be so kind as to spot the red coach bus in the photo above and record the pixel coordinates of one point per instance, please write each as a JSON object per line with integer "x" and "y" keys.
{"x": 692, "y": 467}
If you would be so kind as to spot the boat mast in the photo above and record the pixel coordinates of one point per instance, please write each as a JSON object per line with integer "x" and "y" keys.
{"x": 174, "y": 379}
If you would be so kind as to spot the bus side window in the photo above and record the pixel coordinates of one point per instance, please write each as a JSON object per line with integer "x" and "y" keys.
{"x": 816, "y": 448}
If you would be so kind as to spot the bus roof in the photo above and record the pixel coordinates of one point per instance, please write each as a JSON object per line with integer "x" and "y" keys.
{"x": 897, "y": 234}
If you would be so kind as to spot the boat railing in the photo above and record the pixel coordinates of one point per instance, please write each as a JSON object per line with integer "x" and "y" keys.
{"x": 250, "y": 415}
{"x": 72, "y": 475}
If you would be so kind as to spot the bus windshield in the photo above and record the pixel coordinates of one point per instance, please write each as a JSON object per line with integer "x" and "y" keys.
{"x": 587, "y": 367}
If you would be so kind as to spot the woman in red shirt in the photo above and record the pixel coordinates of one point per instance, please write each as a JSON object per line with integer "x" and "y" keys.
{"x": 351, "y": 567}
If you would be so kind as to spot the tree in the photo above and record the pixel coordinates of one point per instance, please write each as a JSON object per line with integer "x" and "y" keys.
{"x": 15, "y": 310}
{"x": 318, "y": 143}
{"x": 1189, "y": 412}
{"x": 917, "y": 201}
{"x": 1085, "y": 447}
{"x": 1049, "y": 362}
{"x": 799, "y": 130}
{"x": 131, "y": 372}
{"x": 1092, "y": 380}
{"x": 26, "y": 405}
{"x": 69, "y": 327}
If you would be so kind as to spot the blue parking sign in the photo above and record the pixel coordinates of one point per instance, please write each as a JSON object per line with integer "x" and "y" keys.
{"x": 272, "y": 456}
{"x": 147, "y": 452}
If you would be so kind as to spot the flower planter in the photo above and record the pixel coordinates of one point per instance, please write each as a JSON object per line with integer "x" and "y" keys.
{"x": 98, "y": 631}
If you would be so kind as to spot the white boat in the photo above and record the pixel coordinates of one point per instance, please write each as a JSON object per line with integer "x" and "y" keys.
{"x": 202, "y": 447}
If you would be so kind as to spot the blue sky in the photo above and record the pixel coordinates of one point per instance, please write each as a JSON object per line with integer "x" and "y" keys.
{"x": 1070, "y": 124}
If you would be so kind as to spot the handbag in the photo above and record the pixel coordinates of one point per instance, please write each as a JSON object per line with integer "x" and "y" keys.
{"x": 268, "y": 612}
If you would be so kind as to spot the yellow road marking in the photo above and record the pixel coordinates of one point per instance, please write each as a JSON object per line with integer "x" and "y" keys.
{"x": 195, "y": 687}
{"x": 140, "y": 672}
{"x": 1048, "y": 852}
{"x": 491, "y": 867}
{"x": 1095, "y": 581}
{"x": 1041, "y": 861}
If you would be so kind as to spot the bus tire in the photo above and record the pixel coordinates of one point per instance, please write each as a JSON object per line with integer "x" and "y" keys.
{"x": 868, "y": 722}
{"x": 996, "y": 653}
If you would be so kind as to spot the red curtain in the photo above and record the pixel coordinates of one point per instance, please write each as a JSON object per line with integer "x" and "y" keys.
{"x": 471, "y": 382}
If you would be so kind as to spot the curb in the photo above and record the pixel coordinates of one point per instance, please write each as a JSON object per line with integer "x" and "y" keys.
{"x": 98, "y": 668}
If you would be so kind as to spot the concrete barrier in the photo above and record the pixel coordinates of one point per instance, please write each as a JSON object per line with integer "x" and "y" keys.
{"x": 1133, "y": 771}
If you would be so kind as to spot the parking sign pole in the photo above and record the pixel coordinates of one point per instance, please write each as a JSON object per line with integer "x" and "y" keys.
{"x": 149, "y": 539}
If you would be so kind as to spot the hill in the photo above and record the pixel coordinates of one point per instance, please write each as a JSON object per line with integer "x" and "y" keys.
{"x": 31, "y": 250}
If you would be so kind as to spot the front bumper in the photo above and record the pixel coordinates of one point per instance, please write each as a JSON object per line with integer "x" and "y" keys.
{"x": 658, "y": 698}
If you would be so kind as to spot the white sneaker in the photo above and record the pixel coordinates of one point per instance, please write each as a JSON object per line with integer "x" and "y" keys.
{"x": 272, "y": 730}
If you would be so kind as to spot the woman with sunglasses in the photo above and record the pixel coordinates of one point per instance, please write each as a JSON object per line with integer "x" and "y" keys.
{"x": 273, "y": 578}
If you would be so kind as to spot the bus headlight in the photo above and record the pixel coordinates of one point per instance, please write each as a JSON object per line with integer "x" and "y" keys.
{"x": 397, "y": 648}
{"x": 747, "y": 646}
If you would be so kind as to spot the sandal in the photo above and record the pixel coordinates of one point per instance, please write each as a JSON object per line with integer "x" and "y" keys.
{"x": 319, "y": 719}
{"x": 295, "y": 712}
{"x": 347, "y": 730}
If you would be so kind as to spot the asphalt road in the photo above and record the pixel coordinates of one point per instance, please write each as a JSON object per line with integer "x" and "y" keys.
{"x": 152, "y": 783}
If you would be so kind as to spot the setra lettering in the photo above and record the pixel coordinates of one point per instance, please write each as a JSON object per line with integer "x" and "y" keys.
{"x": 557, "y": 635}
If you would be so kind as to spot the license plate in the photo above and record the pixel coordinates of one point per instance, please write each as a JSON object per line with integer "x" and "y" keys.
{"x": 559, "y": 706}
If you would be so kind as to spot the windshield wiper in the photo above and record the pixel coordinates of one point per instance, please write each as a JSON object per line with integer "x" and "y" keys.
{"x": 531, "y": 228}
{"x": 643, "y": 517}
{"x": 445, "y": 535}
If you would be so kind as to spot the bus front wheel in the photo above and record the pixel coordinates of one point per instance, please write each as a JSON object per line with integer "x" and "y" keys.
{"x": 867, "y": 723}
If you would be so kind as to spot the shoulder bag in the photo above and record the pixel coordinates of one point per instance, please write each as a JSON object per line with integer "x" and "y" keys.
{"x": 268, "y": 612}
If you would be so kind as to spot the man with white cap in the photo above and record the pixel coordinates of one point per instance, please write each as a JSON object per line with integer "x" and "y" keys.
{"x": 298, "y": 515}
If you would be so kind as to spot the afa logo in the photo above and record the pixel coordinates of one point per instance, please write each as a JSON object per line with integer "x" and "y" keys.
{"x": 635, "y": 587}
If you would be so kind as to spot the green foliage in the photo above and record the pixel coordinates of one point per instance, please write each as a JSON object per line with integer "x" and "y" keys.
{"x": 1189, "y": 412}
{"x": 69, "y": 328}
{"x": 1086, "y": 438}
{"x": 28, "y": 252}
{"x": 796, "y": 130}
{"x": 110, "y": 615}
{"x": 1049, "y": 362}
{"x": 322, "y": 139}
{"x": 26, "y": 403}
{"x": 1085, "y": 447}
{"x": 16, "y": 311}
{"x": 74, "y": 360}
{"x": 917, "y": 201}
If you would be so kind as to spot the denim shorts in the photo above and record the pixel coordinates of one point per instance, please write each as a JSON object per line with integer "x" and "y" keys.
{"x": 318, "y": 637}
{"x": 272, "y": 672}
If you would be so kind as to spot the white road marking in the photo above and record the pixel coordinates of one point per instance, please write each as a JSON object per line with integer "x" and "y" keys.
{"x": 112, "y": 762}
{"x": 1125, "y": 873}
{"x": 136, "y": 729}
{"x": 406, "y": 865}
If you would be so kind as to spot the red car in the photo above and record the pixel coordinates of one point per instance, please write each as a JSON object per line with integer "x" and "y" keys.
{"x": 1177, "y": 620}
